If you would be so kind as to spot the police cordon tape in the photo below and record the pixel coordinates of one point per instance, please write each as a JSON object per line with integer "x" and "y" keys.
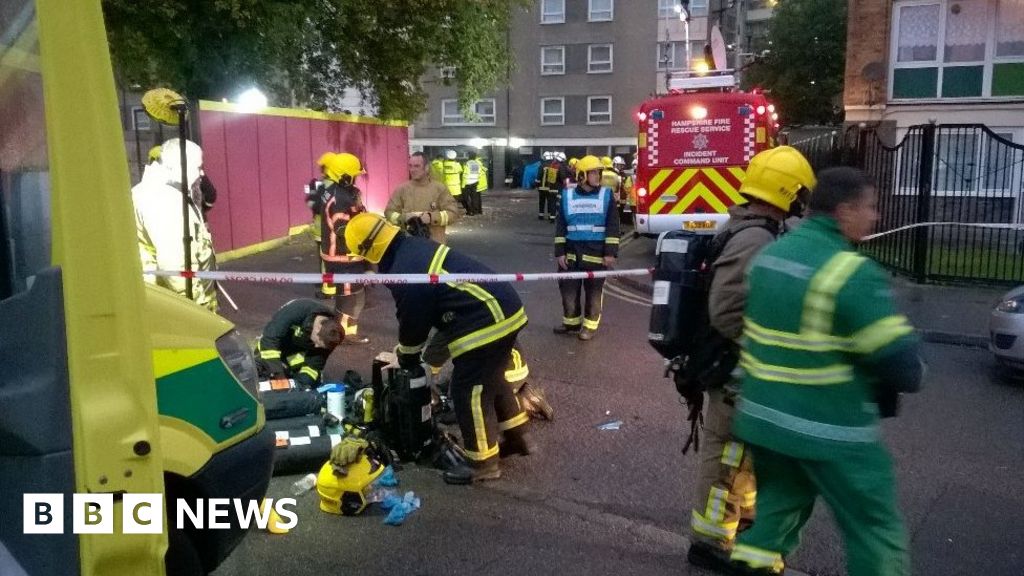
{"x": 309, "y": 278}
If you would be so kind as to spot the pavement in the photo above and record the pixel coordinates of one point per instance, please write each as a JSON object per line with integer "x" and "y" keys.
{"x": 954, "y": 315}
{"x": 617, "y": 501}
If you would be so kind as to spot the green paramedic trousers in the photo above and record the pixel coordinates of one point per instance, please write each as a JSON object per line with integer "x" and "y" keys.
{"x": 861, "y": 493}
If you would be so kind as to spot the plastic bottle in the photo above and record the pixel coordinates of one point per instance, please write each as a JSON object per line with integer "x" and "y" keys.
{"x": 304, "y": 484}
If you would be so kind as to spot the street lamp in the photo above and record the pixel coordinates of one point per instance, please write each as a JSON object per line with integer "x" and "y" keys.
{"x": 252, "y": 100}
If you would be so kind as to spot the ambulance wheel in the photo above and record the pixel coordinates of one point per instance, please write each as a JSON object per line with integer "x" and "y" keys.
{"x": 182, "y": 558}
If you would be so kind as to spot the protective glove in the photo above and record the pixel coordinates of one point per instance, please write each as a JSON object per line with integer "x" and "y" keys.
{"x": 407, "y": 361}
{"x": 346, "y": 453}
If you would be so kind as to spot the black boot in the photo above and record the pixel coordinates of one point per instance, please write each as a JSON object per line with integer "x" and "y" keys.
{"x": 518, "y": 441}
{"x": 473, "y": 471}
{"x": 563, "y": 329}
{"x": 710, "y": 556}
{"x": 534, "y": 403}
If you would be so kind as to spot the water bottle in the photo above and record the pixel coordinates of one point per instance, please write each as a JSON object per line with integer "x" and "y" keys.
{"x": 304, "y": 484}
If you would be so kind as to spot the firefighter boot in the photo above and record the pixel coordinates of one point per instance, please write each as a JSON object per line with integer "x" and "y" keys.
{"x": 518, "y": 441}
{"x": 564, "y": 329}
{"x": 534, "y": 402}
{"x": 587, "y": 334}
{"x": 711, "y": 557}
{"x": 468, "y": 472}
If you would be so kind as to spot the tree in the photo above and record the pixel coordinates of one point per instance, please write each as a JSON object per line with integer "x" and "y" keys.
{"x": 307, "y": 52}
{"x": 806, "y": 60}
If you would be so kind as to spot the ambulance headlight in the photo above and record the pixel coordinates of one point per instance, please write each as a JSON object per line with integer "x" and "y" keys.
{"x": 237, "y": 356}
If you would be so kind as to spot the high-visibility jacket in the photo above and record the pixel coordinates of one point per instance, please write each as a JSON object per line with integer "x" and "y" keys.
{"x": 158, "y": 225}
{"x": 340, "y": 203}
{"x": 470, "y": 315}
{"x": 542, "y": 176}
{"x": 471, "y": 172}
{"x": 587, "y": 226}
{"x": 481, "y": 184}
{"x": 437, "y": 170}
{"x": 820, "y": 332}
{"x": 611, "y": 179}
{"x": 453, "y": 177}
{"x": 286, "y": 346}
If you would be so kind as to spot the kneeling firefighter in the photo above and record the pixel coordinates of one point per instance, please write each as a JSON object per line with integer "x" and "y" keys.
{"x": 297, "y": 342}
{"x": 705, "y": 280}
{"x": 481, "y": 321}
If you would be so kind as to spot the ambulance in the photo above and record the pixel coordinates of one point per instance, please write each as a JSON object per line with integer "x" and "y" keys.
{"x": 110, "y": 387}
{"x": 694, "y": 144}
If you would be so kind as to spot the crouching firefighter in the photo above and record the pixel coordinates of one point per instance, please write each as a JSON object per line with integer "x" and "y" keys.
{"x": 481, "y": 322}
{"x": 297, "y": 341}
{"x": 710, "y": 286}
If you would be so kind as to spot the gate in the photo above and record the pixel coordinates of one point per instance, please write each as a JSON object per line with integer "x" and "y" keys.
{"x": 949, "y": 197}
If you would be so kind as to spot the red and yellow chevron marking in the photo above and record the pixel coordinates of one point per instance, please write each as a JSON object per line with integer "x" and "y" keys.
{"x": 707, "y": 190}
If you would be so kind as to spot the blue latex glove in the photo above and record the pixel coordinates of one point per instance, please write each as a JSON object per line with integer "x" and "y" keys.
{"x": 387, "y": 478}
{"x": 398, "y": 514}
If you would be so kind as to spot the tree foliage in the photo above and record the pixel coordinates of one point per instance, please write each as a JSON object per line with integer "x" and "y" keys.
{"x": 806, "y": 61}
{"x": 307, "y": 52}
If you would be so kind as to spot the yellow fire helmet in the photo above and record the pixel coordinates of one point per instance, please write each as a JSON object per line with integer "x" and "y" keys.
{"x": 154, "y": 153}
{"x": 606, "y": 162}
{"x": 586, "y": 164}
{"x": 777, "y": 175}
{"x": 347, "y": 495}
{"x": 342, "y": 168}
{"x": 572, "y": 162}
{"x": 369, "y": 235}
{"x": 161, "y": 104}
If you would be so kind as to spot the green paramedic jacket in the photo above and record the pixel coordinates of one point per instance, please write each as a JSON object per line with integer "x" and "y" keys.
{"x": 821, "y": 341}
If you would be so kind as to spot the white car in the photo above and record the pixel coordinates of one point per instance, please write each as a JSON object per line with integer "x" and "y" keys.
{"x": 1006, "y": 330}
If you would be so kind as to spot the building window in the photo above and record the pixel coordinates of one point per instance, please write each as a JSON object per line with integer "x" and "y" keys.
{"x": 447, "y": 72}
{"x": 552, "y": 60}
{"x": 599, "y": 58}
{"x": 451, "y": 116}
{"x": 552, "y": 111}
{"x": 667, "y": 8}
{"x": 958, "y": 49}
{"x": 552, "y": 11}
{"x": 601, "y": 10}
{"x": 672, "y": 55}
{"x": 599, "y": 110}
{"x": 140, "y": 120}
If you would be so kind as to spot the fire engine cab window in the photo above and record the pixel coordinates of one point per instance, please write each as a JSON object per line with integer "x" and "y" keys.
{"x": 24, "y": 170}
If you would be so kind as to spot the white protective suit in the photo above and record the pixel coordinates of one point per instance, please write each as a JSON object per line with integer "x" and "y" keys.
{"x": 158, "y": 222}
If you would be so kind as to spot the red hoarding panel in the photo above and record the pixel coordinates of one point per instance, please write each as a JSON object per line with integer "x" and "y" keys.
{"x": 215, "y": 166}
{"x": 273, "y": 175}
{"x": 301, "y": 168}
{"x": 241, "y": 136}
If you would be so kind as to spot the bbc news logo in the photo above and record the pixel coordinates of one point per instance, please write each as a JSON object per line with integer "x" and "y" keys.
{"x": 144, "y": 513}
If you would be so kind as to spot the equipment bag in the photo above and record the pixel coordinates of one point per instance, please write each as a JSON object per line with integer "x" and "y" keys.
{"x": 405, "y": 418}
{"x": 292, "y": 403}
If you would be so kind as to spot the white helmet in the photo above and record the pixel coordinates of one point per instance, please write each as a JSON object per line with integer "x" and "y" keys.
{"x": 618, "y": 160}
{"x": 450, "y": 154}
{"x": 170, "y": 159}
{"x": 560, "y": 156}
{"x": 547, "y": 156}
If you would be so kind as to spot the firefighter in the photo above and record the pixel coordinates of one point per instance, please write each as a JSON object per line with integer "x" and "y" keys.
{"x": 725, "y": 484}
{"x": 297, "y": 341}
{"x": 586, "y": 238}
{"x": 158, "y": 222}
{"x": 314, "y": 200}
{"x": 423, "y": 199}
{"x": 570, "y": 176}
{"x": 472, "y": 173}
{"x": 611, "y": 178}
{"x": 341, "y": 200}
{"x": 453, "y": 177}
{"x": 481, "y": 322}
{"x": 546, "y": 207}
{"x": 825, "y": 355}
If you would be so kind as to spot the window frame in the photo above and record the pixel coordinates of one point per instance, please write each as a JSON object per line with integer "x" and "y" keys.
{"x": 561, "y": 48}
{"x": 559, "y": 15}
{"x": 463, "y": 121}
{"x": 610, "y": 61}
{"x": 590, "y": 110}
{"x": 987, "y": 64}
{"x": 543, "y": 100}
{"x": 611, "y": 12}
